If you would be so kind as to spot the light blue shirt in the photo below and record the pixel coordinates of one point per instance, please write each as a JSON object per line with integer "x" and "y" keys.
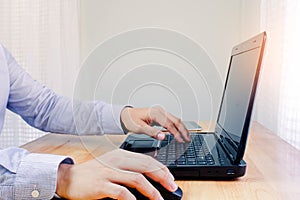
{"x": 25, "y": 175}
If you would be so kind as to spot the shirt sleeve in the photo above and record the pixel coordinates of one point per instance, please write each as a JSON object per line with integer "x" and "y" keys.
{"x": 25, "y": 175}
{"x": 42, "y": 108}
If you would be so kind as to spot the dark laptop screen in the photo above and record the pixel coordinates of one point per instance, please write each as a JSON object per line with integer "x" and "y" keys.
{"x": 234, "y": 107}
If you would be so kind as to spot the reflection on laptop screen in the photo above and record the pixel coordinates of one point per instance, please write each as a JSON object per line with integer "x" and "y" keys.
{"x": 237, "y": 94}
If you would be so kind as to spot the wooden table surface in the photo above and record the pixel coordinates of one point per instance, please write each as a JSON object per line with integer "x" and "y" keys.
{"x": 273, "y": 166}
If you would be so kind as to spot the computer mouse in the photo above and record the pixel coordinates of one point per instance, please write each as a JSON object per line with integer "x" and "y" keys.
{"x": 166, "y": 194}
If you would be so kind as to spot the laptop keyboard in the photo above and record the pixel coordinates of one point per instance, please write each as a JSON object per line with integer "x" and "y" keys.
{"x": 194, "y": 153}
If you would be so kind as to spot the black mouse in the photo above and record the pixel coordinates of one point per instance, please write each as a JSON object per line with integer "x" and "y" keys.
{"x": 166, "y": 194}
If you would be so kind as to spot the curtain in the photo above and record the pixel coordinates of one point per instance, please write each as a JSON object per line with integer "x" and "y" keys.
{"x": 43, "y": 36}
{"x": 278, "y": 102}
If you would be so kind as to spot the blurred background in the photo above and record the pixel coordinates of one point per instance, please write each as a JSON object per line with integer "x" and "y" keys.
{"x": 55, "y": 40}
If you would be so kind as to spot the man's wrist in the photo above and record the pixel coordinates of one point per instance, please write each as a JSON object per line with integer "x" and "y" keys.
{"x": 125, "y": 130}
{"x": 63, "y": 179}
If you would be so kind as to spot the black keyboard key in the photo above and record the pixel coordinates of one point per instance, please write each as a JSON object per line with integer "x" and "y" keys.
{"x": 181, "y": 162}
{"x": 211, "y": 163}
{"x": 194, "y": 153}
{"x": 201, "y": 162}
{"x": 191, "y": 163}
{"x": 191, "y": 159}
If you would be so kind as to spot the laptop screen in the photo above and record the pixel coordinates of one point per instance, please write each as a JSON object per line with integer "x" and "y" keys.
{"x": 236, "y": 105}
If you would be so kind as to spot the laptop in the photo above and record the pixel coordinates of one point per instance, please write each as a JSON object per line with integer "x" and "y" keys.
{"x": 218, "y": 154}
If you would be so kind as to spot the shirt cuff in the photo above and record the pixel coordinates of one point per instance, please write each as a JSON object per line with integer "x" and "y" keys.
{"x": 111, "y": 119}
{"x": 37, "y": 176}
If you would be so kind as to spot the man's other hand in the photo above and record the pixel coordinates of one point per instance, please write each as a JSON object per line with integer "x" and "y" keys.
{"x": 107, "y": 176}
{"x": 139, "y": 120}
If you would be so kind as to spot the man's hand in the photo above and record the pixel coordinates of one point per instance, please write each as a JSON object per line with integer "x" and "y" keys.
{"x": 139, "y": 120}
{"x": 107, "y": 175}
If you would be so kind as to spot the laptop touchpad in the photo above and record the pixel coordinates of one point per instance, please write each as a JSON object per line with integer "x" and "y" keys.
{"x": 140, "y": 143}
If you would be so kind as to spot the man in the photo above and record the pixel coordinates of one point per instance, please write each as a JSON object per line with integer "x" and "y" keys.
{"x": 25, "y": 175}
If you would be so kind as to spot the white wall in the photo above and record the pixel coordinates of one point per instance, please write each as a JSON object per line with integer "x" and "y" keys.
{"x": 215, "y": 25}
{"x": 250, "y": 18}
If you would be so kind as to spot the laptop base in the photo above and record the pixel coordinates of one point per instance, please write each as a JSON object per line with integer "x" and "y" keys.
{"x": 209, "y": 172}
{"x": 141, "y": 143}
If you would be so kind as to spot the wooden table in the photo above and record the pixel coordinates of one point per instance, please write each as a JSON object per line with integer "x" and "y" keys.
{"x": 273, "y": 166}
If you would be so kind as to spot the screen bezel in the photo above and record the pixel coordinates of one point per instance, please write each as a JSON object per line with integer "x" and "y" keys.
{"x": 236, "y": 152}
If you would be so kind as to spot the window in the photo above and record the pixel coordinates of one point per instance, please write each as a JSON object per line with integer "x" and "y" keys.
{"x": 43, "y": 36}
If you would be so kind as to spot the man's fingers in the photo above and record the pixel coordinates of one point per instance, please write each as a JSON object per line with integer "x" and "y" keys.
{"x": 138, "y": 181}
{"x": 171, "y": 123}
{"x": 180, "y": 127}
{"x": 116, "y": 191}
{"x": 153, "y": 132}
{"x": 138, "y": 120}
{"x": 141, "y": 163}
{"x": 145, "y": 165}
{"x": 155, "y": 170}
